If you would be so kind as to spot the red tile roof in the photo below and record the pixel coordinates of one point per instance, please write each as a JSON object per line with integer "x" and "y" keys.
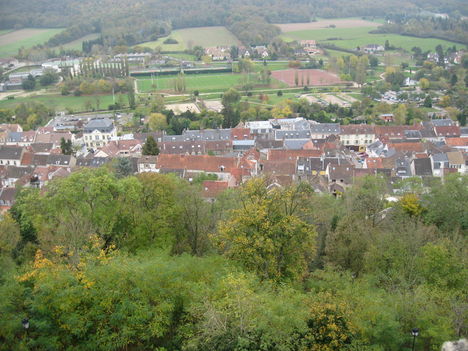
{"x": 392, "y": 132}
{"x": 212, "y": 188}
{"x": 241, "y": 134}
{"x": 457, "y": 141}
{"x": 27, "y": 159}
{"x": 357, "y": 129}
{"x": 403, "y": 147}
{"x": 197, "y": 162}
{"x": 374, "y": 162}
{"x": 279, "y": 167}
{"x": 448, "y": 131}
{"x": 284, "y": 155}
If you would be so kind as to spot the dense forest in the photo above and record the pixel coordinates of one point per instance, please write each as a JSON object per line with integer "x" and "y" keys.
{"x": 454, "y": 29}
{"x": 129, "y": 23}
{"x": 106, "y": 261}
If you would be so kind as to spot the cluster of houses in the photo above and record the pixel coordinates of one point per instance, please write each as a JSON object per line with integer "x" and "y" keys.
{"x": 20, "y": 73}
{"x": 223, "y": 53}
{"x": 329, "y": 156}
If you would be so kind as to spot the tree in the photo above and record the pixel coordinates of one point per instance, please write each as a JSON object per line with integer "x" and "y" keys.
{"x": 231, "y": 112}
{"x": 427, "y": 101}
{"x": 446, "y": 203}
{"x": 328, "y": 327}
{"x": 150, "y": 147}
{"x": 424, "y": 84}
{"x": 400, "y": 114}
{"x": 131, "y": 95}
{"x": 29, "y": 83}
{"x": 453, "y": 79}
{"x": 157, "y": 121}
{"x": 66, "y": 146}
{"x": 9, "y": 234}
{"x": 123, "y": 167}
{"x": 387, "y": 45}
{"x": 266, "y": 234}
{"x": 49, "y": 77}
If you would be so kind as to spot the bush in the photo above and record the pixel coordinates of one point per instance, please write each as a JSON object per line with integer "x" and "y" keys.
{"x": 170, "y": 41}
{"x": 279, "y": 93}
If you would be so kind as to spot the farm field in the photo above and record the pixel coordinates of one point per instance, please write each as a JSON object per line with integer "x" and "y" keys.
{"x": 77, "y": 44}
{"x": 62, "y": 103}
{"x": 350, "y": 38}
{"x": 203, "y": 36}
{"x": 202, "y": 82}
{"x": 324, "y": 23}
{"x": 11, "y": 41}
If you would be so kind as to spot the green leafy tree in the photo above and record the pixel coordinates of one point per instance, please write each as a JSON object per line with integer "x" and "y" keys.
{"x": 66, "y": 146}
{"x": 266, "y": 234}
{"x": 29, "y": 83}
{"x": 150, "y": 147}
{"x": 231, "y": 112}
{"x": 123, "y": 167}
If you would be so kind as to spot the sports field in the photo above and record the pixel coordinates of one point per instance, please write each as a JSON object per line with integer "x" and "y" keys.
{"x": 201, "y": 82}
{"x": 62, "y": 103}
{"x": 350, "y": 38}
{"x": 11, "y": 41}
{"x": 190, "y": 37}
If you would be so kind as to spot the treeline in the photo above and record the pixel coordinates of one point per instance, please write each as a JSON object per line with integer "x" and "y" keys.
{"x": 72, "y": 33}
{"x": 30, "y": 115}
{"x": 100, "y": 261}
{"x": 123, "y": 23}
{"x": 453, "y": 29}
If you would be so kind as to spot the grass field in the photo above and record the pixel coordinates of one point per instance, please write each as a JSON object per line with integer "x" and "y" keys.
{"x": 202, "y": 82}
{"x": 185, "y": 57}
{"x": 77, "y": 44}
{"x": 325, "y": 23}
{"x": 62, "y": 103}
{"x": 11, "y": 41}
{"x": 350, "y": 38}
{"x": 203, "y": 36}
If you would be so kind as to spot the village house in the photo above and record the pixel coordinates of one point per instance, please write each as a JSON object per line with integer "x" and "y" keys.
{"x": 218, "y": 53}
{"x": 7, "y": 198}
{"x": 147, "y": 164}
{"x": 98, "y": 132}
{"x": 357, "y": 135}
{"x": 310, "y": 47}
{"x": 11, "y": 155}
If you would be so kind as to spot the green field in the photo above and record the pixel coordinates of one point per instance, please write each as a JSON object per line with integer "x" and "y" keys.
{"x": 62, "y": 103}
{"x": 77, "y": 44}
{"x": 350, "y": 38}
{"x": 189, "y": 37}
{"x": 201, "y": 82}
{"x": 11, "y": 41}
{"x": 185, "y": 57}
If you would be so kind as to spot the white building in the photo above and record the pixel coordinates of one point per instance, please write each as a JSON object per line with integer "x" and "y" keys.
{"x": 98, "y": 132}
{"x": 357, "y": 135}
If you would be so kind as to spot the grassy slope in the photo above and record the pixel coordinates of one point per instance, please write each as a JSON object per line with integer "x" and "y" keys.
{"x": 39, "y": 37}
{"x": 350, "y": 38}
{"x": 203, "y": 36}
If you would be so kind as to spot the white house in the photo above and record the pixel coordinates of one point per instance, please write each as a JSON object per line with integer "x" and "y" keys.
{"x": 98, "y": 132}
{"x": 357, "y": 135}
